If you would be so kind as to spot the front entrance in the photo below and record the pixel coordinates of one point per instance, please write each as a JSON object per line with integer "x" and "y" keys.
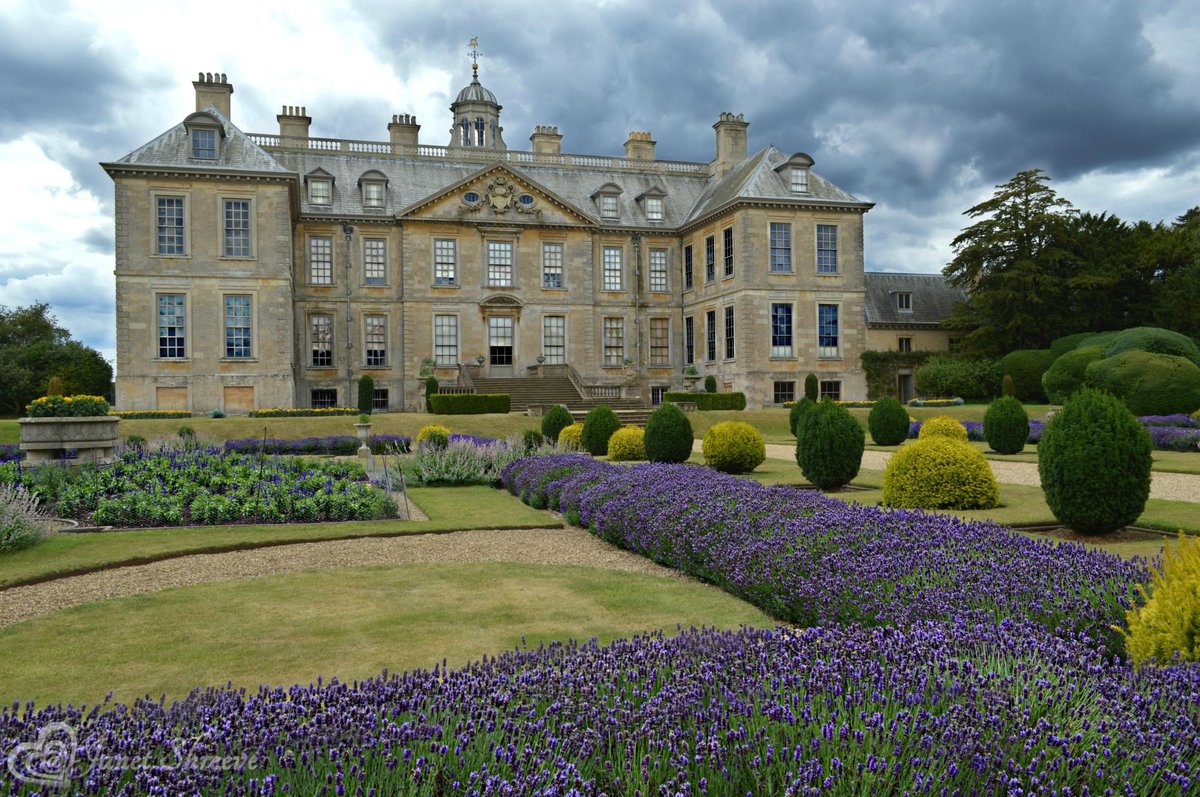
{"x": 904, "y": 386}
{"x": 500, "y": 346}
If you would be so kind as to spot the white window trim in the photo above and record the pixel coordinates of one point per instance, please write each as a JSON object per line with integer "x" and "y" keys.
{"x": 791, "y": 247}
{"x": 457, "y": 338}
{"x": 837, "y": 272}
{"x": 155, "y": 194}
{"x": 386, "y": 261}
{"x": 253, "y": 326}
{"x": 562, "y": 265}
{"x": 387, "y": 335}
{"x": 309, "y": 182}
{"x": 565, "y": 336}
{"x": 189, "y": 342}
{"x": 620, "y": 249}
{"x": 513, "y": 283}
{"x": 221, "y": 227}
{"x": 382, "y": 193}
{"x": 666, "y": 270}
{"x": 456, "y": 279}
{"x": 217, "y": 134}
{"x": 308, "y": 271}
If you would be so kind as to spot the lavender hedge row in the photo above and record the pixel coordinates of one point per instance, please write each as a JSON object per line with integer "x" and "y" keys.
{"x": 11, "y": 453}
{"x": 960, "y": 708}
{"x": 812, "y": 560}
{"x": 330, "y": 444}
{"x": 1167, "y": 432}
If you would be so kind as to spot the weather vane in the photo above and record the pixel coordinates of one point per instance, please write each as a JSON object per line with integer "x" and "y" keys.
{"x": 475, "y": 53}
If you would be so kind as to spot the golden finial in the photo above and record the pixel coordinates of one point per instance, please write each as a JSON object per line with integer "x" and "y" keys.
{"x": 474, "y": 53}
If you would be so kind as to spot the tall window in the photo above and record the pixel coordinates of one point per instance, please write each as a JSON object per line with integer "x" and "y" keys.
{"x": 323, "y": 398}
{"x": 552, "y": 265}
{"x": 554, "y": 339}
{"x": 687, "y": 267}
{"x": 445, "y": 340}
{"x": 238, "y": 327}
{"x": 500, "y": 340}
{"x": 905, "y": 344}
{"x": 781, "y": 330}
{"x": 783, "y": 392}
{"x": 614, "y": 342}
{"x": 169, "y": 226}
{"x": 445, "y": 261}
{"x": 827, "y": 330}
{"x": 689, "y": 340}
{"x": 830, "y": 389}
{"x": 500, "y": 264}
{"x": 608, "y": 206}
{"x": 710, "y": 335}
{"x": 322, "y": 341}
{"x": 658, "y": 269}
{"x": 660, "y": 341}
{"x": 728, "y": 242}
{"x": 375, "y": 339}
{"x": 204, "y": 143}
{"x": 710, "y": 259}
{"x": 237, "y": 228}
{"x": 827, "y": 249}
{"x": 654, "y": 208}
{"x": 612, "y": 268}
{"x": 375, "y": 261}
{"x": 172, "y": 326}
{"x": 800, "y": 180}
{"x": 781, "y": 246}
{"x": 729, "y": 333}
{"x": 372, "y": 194}
{"x": 320, "y": 192}
{"x": 320, "y": 260}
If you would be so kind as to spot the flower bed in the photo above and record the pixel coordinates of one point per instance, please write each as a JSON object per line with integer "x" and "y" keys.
{"x": 954, "y": 708}
{"x": 11, "y": 453}
{"x": 344, "y": 445}
{"x": 1167, "y": 432}
{"x": 173, "y": 487}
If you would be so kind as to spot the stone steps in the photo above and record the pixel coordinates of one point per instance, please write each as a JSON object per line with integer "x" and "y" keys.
{"x": 548, "y": 391}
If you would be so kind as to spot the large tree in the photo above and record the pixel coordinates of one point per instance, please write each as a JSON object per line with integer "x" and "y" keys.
{"x": 1014, "y": 268}
{"x": 1177, "y": 283}
{"x": 33, "y": 348}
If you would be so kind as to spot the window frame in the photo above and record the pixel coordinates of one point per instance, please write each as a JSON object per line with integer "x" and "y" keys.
{"x": 247, "y": 336}
{"x": 689, "y": 340}
{"x": 829, "y": 388}
{"x": 380, "y": 398}
{"x": 554, "y": 352}
{"x": 688, "y": 268}
{"x": 511, "y": 337}
{"x": 710, "y": 336}
{"x": 730, "y": 332}
{"x": 552, "y": 251}
{"x": 607, "y": 272}
{"x": 178, "y": 350}
{"x": 660, "y": 341}
{"x": 826, "y": 256}
{"x": 826, "y": 351}
{"x": 193, "y": 140}
{"x": 904, "y": 301}
{"x": 375, "y": 357}
{"x": 368, "y": 186}
{"x": 313, "y": 342}
{"x": 710, "y": 259}
{"x": 658, "y": 278}
{"x": 799, "y": 180}
{"x": 450, "y": 350}
{"x": 610, "y": 206}
{"x": 904, "y": 344}
{"x": 727, "y": 247}
{"x": 612, "y": 346}
{"x": 312, "y": 241}
{"x": 325, "y": 403}
{"x": 655, "y": 208}
{"x": 780, "y": 349}
{"x": 782, "y": 395}
{"x": 495, "y": 266}
{"x": 780, "y": 251}
{"x": 226, "y": 229}
{"x": 369, "y": 260}
{"x": 312, "y": 195}
{"x": 440, "y": 280}
{"x": 183, "y": 227}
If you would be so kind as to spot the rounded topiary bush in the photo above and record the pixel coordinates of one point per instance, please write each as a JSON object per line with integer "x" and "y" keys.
{"x": 554, "y": 421}
{"x": 532, "y": 440}
{"x": 428, "y": 429}
{"x": 1060, "y": 346}
{"x": 829, "y": 446}
{"x": 1006, "y": 426}
{"x": 939, "y": 473}
{"x": 796, "y": 412}
{"x": 1148, "y": 383}
{"x": 942, "y": 426}
{"x": 812, "y": 387}
{"x": 569, "y": 439}
{"x": 710, "y": 384}
{"x": 1026, "y": 367}
{"x": 669, "y": 436}
{"x": 733, "y": 447}
{"x": 1094, "y": 461}
{"x": 1156, "y": 341}
{"x": 888, "y": 422}
{"x": 598, "y": 426}
{"x": 1066, "y": 374}
{"x": 627, "y": 444}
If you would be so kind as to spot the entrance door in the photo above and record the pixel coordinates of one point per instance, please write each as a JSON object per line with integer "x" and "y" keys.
{"x": 500, "y": 345}
{"x": 904, "y": 386}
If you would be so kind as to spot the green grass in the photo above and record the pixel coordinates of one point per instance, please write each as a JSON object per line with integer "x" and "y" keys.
{"x": 349, "y": 623}
{"x": 448, "y": 508}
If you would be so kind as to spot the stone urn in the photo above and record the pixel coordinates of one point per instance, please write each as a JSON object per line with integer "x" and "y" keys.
{"x": 363, "y": 430}
{"x": 46, "y": 439}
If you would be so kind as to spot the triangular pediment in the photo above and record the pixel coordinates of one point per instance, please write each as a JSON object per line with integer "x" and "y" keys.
{"x": 497, "y": 194}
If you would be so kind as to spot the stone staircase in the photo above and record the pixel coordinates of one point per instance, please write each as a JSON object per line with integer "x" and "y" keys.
{"x": 550, "y": 390}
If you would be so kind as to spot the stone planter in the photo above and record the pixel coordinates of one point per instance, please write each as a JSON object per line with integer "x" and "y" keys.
{"x": 45, "y": 439}
{"x": 364, "y": 438}
{"x": 689, "y": 382}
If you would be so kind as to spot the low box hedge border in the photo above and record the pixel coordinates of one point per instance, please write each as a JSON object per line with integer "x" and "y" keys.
{"x": 470, "y": 403}
{"x": 709, "y": 401}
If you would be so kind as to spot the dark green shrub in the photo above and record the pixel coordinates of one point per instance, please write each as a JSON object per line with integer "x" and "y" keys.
{"x": 1007, "y": 388}
{"x": 532, "y": 440}
{"x": 1066, "y": 374}
{"x": 1026, "y": 367}
{"x": 709, "y": 401}
{"x": 797, "y": 412}
{"x": 669, "y": 436}
{"x": 554, "y": 421}
{"x": 436, "y": 439}
{"x": 1060, "y": 346}
{"x": 969, "y": 378}
{"x": 710, "y": 384}
{"x": 186, "y": 433}
{"x": 829, "y": 446}
{"x": 888, "y": 422}
{"x": 431, "y": 389}
{"x": 1101, "y": 339}
{"x": 1094, "y": 461}
{"x": 470, "y": 403}
{"x": 366, "y": 393}
{"x": 598, "y": 426}
{"x": 733, "y": 447}
{"x": 1006, "y": 426}
{"x": 939, "y": 473}
{"x": 1149, "y": 384}
{"x": 812, "y": 387}
{"x": 1156, "y": 340}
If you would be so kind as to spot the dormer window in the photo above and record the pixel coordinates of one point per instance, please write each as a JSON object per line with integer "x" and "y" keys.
{"x": 800, "y": 180}
{"x": 795, "y": 170}
{"x": 320, "y": 187}
{"x": 904, "y": 302}
{"x": 204, "y": 143}
{"x": 654, "y": 208}
{"x": 204, "y": 135}
{"x": 373, "y": 185}
{"x": 608, "y": 200}
{"x": 608, "y": 206}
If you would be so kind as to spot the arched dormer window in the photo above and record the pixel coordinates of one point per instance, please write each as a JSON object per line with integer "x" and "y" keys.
{"x": 795, "y": 171}
{"x": 373, "y": 185}
{"x": 608, "y": 200}
{"x": 652, "y": 202}
{"x": 319, "y": 184}
{"x": 205, "y": 135}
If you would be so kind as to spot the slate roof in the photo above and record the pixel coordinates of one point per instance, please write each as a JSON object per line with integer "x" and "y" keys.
{"x": 173, "y": 149}
{"x": 932, "y": 298}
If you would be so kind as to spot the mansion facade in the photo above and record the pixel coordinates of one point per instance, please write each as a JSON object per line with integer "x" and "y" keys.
{"x": 274, "y": 270}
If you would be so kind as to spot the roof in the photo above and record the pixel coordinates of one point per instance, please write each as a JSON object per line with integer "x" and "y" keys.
{"x": 932, "y": 298}
{"x": 476, "y": 93}
{"x": 173, "y": 149}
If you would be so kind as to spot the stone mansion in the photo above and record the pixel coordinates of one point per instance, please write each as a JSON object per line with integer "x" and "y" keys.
{"x": 273, "y": 270}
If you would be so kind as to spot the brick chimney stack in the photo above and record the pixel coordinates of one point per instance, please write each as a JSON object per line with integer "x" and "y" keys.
{"x": 546, "y": 140}
{"x": 293, "y": 123}
{"x": 404, "y": 130}
{"x": 213, "y": 88}
{"x": 731, "y": 142}
{"x": 639, "y": 146}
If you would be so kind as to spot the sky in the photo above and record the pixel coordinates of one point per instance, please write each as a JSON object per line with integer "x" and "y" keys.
{"x": 920, "y": 107}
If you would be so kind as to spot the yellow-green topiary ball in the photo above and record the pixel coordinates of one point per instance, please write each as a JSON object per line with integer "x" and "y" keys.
{"x": 570, "y": 436}
{"x": 733, "y": 447}
{"x": 428, "y": 429}
{"x": 1165, "y": 625}
{"x": 627, "y": 444}
{"x": 939, "y": 473}
{"x": 942, "y": 426}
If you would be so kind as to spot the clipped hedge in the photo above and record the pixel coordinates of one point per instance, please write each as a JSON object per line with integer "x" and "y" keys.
{"x": 627, "y": 444}
{"x": 555, "y": 420}
{"x": 952, "y": 375}
{"x": 1026, "y": 367}
{"x": 669, "y": 435}
{"x": 1154, "y": 340}
{"x": 570, "y": 438}
{"x": 1148, "y": 383}
{"x": 1060, "y": 346}
{"x": 599, "y": 425}
{"x": 151, "y": 415}
{"x": 939, "y": 473}
{"x": 888, "y": 422}
{"x": 733, "y": 447}
{"x": 796, "y": 412}
{"x": 301, "y": 412}
{"x": 469, "y": 403}
{"x": 942, "y": 426}
{"x": 829, "y": 445}
{"x": 1066, "y": 374}
{"x": 1006, "y": 426}
{"x": 709, "y": 401}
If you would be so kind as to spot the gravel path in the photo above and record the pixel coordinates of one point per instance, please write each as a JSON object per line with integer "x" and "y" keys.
{"x": 566, "y": 546}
